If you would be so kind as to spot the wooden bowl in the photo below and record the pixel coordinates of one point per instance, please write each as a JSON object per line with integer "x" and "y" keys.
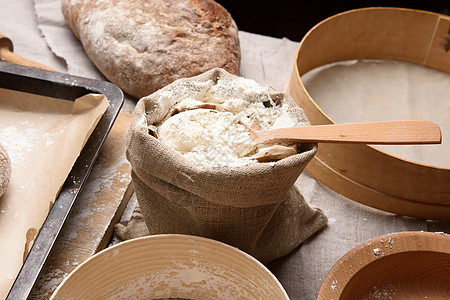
{"x": 405, "y": 265}
{"x": 170, "y": 266}
{"x": 361, "y": 172}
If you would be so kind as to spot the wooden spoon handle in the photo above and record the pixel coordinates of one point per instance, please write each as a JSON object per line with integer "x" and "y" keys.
{"x": 384, "y": 132}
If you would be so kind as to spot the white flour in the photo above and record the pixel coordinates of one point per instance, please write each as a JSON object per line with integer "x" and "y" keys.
{"x": 18, "y": 141}
{"x": 216, "y": 137}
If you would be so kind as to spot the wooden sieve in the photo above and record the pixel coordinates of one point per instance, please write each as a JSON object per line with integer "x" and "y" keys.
{"x": 361, "y": 172}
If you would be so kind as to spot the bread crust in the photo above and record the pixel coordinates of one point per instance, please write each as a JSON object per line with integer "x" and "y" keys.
{"x": 5, "y": 170}
{"x": 143, "y": 45}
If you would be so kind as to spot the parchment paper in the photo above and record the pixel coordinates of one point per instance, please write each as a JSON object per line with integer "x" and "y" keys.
{"x": 43, "y": 137}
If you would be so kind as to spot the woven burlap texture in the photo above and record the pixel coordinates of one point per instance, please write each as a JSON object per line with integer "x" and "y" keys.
{"x": 255, "y": 207}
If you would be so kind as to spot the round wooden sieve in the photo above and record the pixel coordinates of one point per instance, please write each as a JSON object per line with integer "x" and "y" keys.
{"x": 361, "y": 172}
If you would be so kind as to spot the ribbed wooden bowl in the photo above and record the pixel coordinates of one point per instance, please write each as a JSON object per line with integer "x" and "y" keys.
{"x": 405, "y": 265}
{"x": 170, "y": 266}
{"x": 361, "y": 172}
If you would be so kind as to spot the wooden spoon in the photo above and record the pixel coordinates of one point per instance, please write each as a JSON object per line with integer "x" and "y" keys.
{"x": 384, "y": 132}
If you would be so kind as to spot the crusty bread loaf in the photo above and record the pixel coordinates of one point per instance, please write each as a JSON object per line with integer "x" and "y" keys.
{"x": 5, "y": 170}
{"x": 143, "y": 45}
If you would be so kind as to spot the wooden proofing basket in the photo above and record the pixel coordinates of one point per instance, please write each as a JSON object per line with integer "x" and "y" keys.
{"x": 361, "y": 172}
{"x": 170, "y": 266}
{"x": 402, "y": 265}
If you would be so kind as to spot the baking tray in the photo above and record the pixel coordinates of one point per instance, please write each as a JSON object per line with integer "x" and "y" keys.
{"x": 68, "y": 87}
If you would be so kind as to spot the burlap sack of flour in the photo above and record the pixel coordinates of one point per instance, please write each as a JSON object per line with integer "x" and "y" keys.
{"x": 254, "y": 207}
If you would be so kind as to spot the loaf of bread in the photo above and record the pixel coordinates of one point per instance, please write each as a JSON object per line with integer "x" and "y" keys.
{"x": 5, "y": 170}
{"x": 143, "y": 45}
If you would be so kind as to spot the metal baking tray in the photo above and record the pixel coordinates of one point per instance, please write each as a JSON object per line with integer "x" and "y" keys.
{"x": 68, "y": 87}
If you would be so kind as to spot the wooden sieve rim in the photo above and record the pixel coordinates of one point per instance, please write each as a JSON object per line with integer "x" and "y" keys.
{"x": 361, "y": 172}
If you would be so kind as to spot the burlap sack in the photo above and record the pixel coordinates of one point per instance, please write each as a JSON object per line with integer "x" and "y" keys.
{"x": 255, "y": 207}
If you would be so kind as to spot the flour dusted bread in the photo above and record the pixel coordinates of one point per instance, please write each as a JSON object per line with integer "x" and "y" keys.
{"x": 143, "y": 45}
{"x": 5, "y": 170}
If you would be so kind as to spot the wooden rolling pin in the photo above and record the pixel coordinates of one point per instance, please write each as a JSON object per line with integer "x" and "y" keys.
{"x": 7, "y": 54}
